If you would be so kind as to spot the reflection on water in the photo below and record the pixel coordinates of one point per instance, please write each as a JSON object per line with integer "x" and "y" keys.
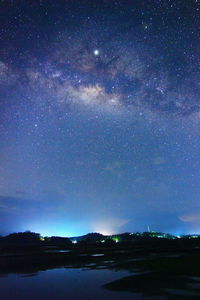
{"x": 62, "y": 284}
{"x": 57, "y": 251}
{"x": 104, "y": 276}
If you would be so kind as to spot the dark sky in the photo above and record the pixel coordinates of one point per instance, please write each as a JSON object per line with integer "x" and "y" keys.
{"x": 99, "y": 116}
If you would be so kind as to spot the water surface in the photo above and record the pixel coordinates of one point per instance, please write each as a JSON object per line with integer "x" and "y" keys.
{"x": 63, "y": 283}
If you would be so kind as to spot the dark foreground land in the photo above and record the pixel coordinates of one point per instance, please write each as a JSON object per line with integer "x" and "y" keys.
{"x": 170, "y": 269}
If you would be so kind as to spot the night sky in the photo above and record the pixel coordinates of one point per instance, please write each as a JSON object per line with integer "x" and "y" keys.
{"x": 99, "y": 116}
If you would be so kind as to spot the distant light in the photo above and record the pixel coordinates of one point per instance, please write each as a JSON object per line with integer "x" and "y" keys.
{"x": 74, "y": 242}
{"x": 96, "y": 52}
{"x": 102, "y": 241}
{"x": 104, "y": 231}
{"x": 116, "y": 240}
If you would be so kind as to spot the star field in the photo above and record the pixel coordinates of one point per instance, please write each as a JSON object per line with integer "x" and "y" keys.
{"x": 100, "y": 109}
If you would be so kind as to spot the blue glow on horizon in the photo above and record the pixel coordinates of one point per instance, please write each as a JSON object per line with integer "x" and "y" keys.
{"x": 59, "y": 229}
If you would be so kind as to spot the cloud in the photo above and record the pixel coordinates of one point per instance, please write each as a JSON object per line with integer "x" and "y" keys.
{"x": 193, "y": 218}
{"x": 110, "y": 225}
{"x": 9, "y": 204}
{"x": 158, "y": 160}
{"x": 17, "y": 204}
{"x": 115, "y": 168}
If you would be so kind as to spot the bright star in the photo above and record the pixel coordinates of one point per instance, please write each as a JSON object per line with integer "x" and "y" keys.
{"x": 96, "y": 52}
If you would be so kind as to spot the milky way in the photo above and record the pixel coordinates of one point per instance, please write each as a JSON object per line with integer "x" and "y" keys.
{"x": 100, "y": 106}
